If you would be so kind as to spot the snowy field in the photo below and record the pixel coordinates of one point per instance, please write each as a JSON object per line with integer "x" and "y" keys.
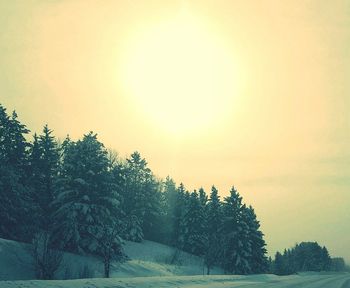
{"x": 148, "y": 267}
{"x": 219, "y": 281}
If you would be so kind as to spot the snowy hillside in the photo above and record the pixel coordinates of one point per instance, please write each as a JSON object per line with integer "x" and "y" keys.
{"x": 146, "y": 259}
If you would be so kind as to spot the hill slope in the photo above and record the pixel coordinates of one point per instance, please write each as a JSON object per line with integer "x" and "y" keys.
{"x": 146, "y": 259}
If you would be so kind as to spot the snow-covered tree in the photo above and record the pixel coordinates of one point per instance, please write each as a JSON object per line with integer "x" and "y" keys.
{"x": 169, "y": 207}
{"x": 15, "y": 205}
{"x": 141, "y": 194}
{"x": 214, "y": 228}
{"x": 88, "y": 199}
{"x": 257, "y": 260}
{"x": 194, "y": 223}
{"x": 44, "y": 168}
{"x": 236, "y": 244}
{"x": 180, "y": 210}
{"x": 306, "y": 256}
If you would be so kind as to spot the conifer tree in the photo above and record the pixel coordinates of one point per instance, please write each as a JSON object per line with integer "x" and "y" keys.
{"x": 170, "y": 199}
{"x": 15, "y": 202}
{"x": 258, "y": 261}
{"x": 306, "y": 256}
{"x": 88, "y": 199}
{"x": 203, "y": 198}
{"x": 44, "y": 167}
{"x": 142, "y": 198}
{"x": 214, "y": 228}
{"x": 194, "y": 222}
{"x": 236, "y": 242}
{"x": 153, "y": 209}
{"x": 180, "y": 210}
{"x": 278, "y": 264}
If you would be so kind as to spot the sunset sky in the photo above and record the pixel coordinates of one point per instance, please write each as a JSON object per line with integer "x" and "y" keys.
{"x": 254, "y": 94}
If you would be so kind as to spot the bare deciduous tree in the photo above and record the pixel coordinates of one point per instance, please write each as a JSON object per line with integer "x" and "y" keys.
{"x": 46, "y": 260}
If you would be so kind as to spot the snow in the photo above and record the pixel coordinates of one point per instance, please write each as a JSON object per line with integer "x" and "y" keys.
{"x": 217, "y": 281}
{"x": 146, "y": 259}
{"x": 149, "y": 266}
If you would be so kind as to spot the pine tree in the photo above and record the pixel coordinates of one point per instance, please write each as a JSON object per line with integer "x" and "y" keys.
{"x": 180, "y": 211}
{"x": 306, "y": 256}
{"x": 278, "y": 264}
{"x": 88, "y": 199}
{"x": 44, "y": 164}
{"x": 194, "y": 222}
{"x": 15, "y": 202}
{"x": 153, "y": 209}
{"x": 258, "y": 261}
{"x": 35, "y": 181}
{"x": 142, "y": 198}
{"x": 203, "y": 198}
{"x": 214, "y": 227}
{"x": 326, "y": 260}
{"x": 236, "y": 242}
{"x": 170, "y": 198}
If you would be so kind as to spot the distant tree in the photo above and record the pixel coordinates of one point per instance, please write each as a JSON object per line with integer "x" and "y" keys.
{"x": 306, "y": 256}
{"x": 279, "y": 264}
{"x": 338, "y": 264}
{"x": 325, "y": 259}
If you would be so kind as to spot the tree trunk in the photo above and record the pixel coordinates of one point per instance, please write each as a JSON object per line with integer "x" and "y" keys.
{"x": 107, "y": 268}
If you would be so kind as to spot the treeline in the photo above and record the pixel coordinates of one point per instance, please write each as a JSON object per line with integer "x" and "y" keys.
{"x": 85, "y": 199}
{"x": 306, "y": 256}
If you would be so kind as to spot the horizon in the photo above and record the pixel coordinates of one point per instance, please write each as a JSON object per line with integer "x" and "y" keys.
{"x": 277, "y": 131}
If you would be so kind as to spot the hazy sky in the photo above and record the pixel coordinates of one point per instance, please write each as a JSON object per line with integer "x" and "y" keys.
{"x": 254, "y": 94}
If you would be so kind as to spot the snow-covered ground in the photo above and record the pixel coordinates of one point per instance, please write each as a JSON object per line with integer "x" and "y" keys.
{"x": 146, "y": 259}
{"x": 148, "y": 267}
{"x": 219, "y": 281}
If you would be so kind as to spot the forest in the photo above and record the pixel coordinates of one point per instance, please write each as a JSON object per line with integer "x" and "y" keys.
{"x": 79, "y": 196}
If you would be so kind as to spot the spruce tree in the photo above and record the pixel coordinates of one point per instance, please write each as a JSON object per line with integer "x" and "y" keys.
{"x": 142, "y": 199}
{"x": 194, "y": 222}
{"x": 214, "y": 227}
{"x": 153, "y": 209}
{"x": 279, "y": 264}
{"x": 170, "y": 199}
{"x": 306, "y": 256}
{"x": 236, "y": 242}
{"x": 15, "y": 204}
{"x": 258, "y": 261}
{"x": 180, "y": 211}
{"x": 44, "y": 164}
{"x": 88, "y": 200}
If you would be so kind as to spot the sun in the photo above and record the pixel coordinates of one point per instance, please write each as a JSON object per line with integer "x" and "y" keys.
{"x": 181, "y": 76}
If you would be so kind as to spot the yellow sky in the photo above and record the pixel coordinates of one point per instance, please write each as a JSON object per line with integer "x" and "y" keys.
{"x": 255, "y": 94}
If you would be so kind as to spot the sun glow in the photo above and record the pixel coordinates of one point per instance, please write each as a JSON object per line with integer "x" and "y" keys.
{"x": 180, "y": 75}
